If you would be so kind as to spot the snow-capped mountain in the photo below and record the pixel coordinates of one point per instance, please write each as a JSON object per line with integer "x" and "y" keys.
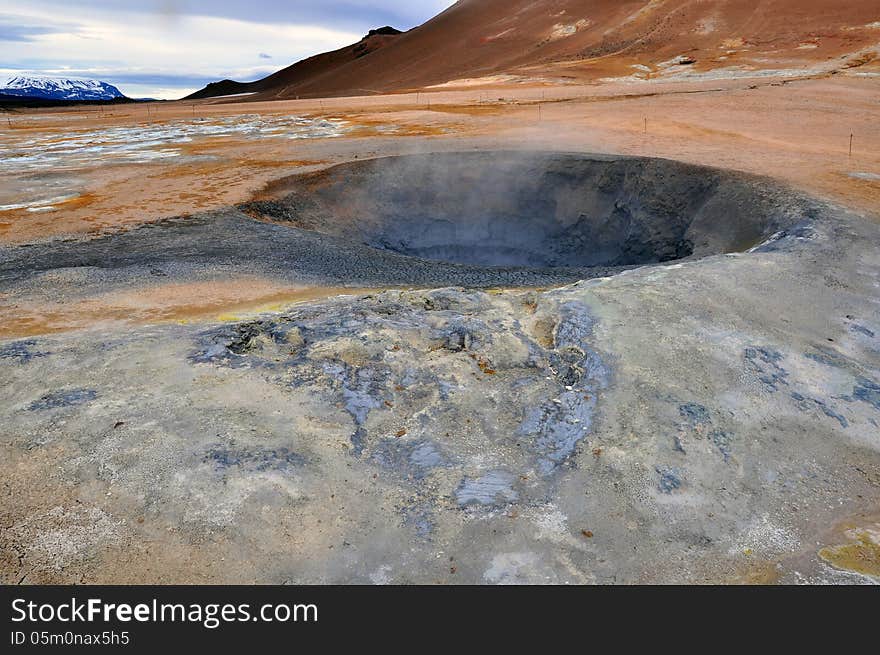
{"x": 59, "y": 89}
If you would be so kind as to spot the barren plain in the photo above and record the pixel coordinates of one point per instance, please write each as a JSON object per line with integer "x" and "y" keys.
{"x": 207, "y": 378}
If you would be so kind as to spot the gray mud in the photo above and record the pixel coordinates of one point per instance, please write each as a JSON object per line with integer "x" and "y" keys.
{"x": 537, "y": 210}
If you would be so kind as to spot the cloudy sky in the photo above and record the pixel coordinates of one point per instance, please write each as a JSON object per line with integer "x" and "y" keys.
{"x": 169, "y": 48}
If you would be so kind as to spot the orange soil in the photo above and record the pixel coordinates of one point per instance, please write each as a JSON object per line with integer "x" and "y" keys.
{"x": 161, "y": 303}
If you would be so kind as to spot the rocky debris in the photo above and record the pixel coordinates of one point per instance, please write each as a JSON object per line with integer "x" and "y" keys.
{"x": 254, "y": 458}
{"x": 805, "y": 404}
{"x": 450, "y": 356}
{"x": 765, "y": 362}
{"x": 20, "y": 351}
{"x": 57, "y": 399}
{"x": 670, "y": 480}
{"x": 491, "y": 488}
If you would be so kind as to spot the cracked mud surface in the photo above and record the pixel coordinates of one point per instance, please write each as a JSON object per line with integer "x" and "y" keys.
{"x": 711, "y": 420}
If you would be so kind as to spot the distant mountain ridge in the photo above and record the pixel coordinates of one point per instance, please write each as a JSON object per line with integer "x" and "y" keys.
{"x": 46, "y": 88}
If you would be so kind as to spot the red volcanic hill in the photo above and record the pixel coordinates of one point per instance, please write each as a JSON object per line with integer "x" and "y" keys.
{"x": 308, "y": 70}
{"x": 582, "y": 40}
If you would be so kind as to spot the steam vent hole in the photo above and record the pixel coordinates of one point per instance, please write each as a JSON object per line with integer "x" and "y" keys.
{"x": 533, "y": 210}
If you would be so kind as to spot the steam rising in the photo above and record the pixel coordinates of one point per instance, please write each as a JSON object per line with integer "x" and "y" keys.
{"x": 533, "y": 210}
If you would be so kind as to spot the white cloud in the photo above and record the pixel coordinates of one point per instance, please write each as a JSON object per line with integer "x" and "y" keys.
{"x": 148, "y": 55}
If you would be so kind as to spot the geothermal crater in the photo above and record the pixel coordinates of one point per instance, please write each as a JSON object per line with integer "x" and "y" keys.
{"x": 474, "y": 219}
{"x": 533, "y": 211}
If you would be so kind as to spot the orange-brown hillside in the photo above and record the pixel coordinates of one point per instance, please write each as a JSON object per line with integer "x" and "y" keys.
{"x": 583, "y": 40}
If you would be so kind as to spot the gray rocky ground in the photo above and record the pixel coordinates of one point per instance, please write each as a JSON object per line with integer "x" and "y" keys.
{"x": 710, "y": 420}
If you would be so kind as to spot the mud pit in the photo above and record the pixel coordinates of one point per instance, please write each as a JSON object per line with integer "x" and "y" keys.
{"x": 540, "y": 211}
{"x": 496, "y": 219}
